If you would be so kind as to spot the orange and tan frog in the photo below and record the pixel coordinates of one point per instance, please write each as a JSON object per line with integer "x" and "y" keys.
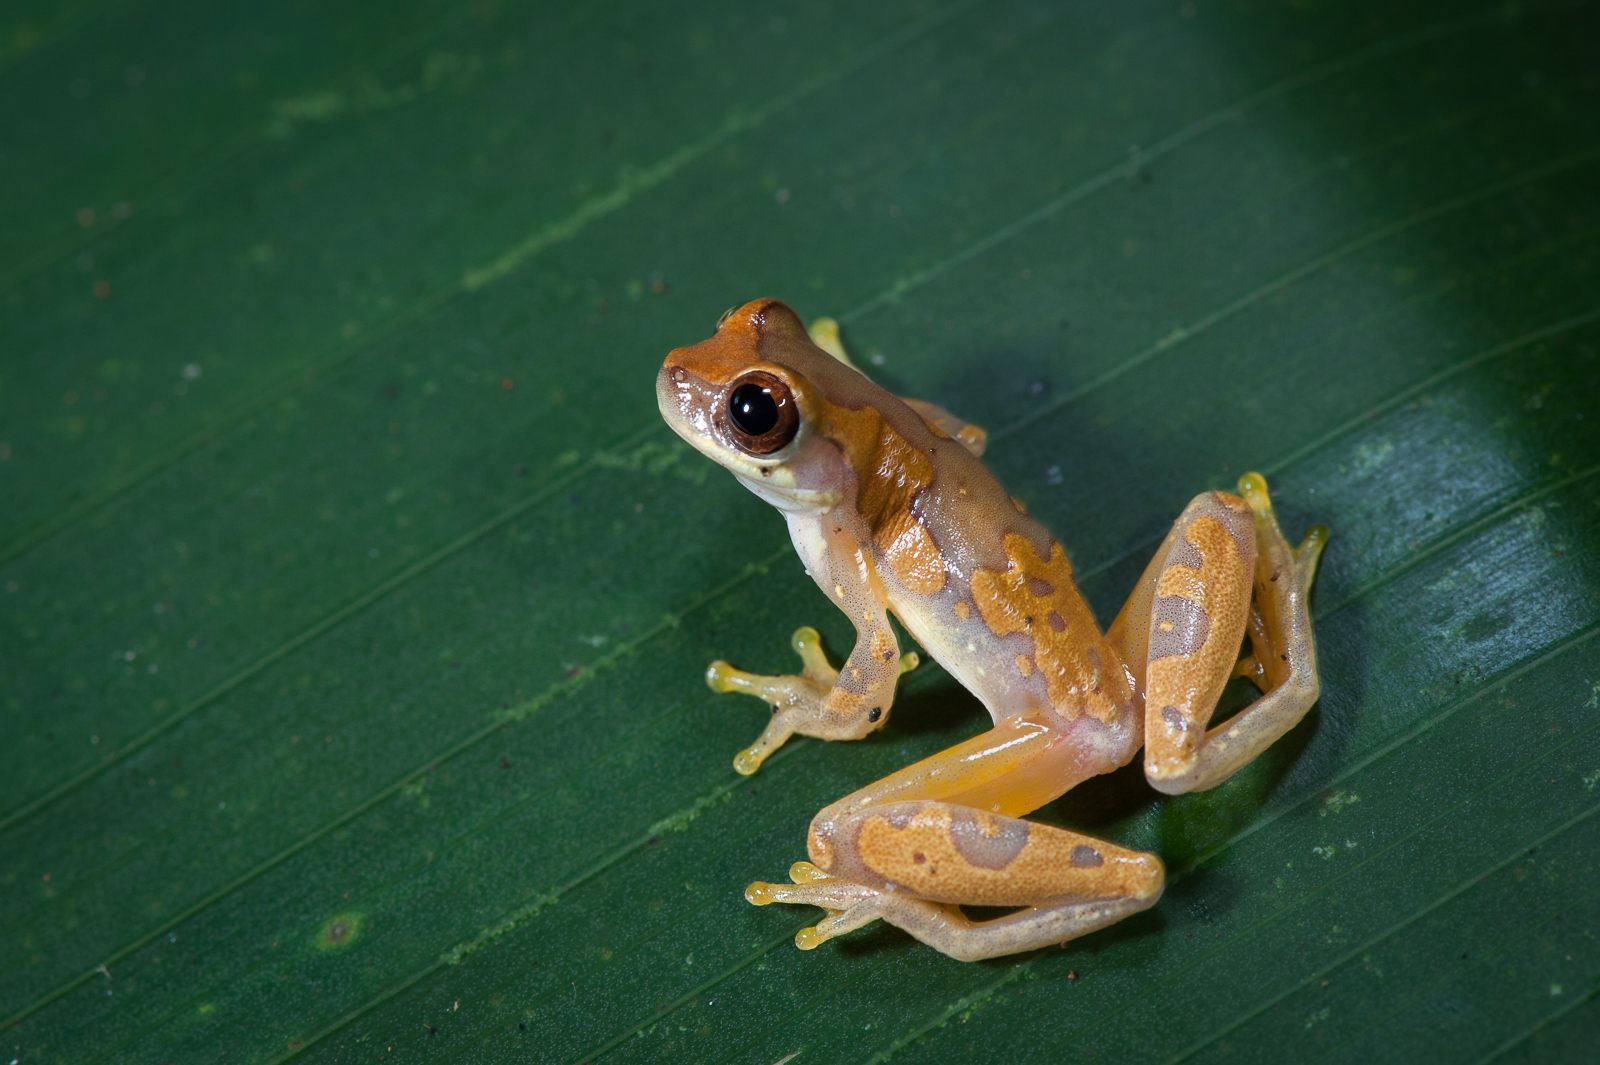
{"x": 892, "y": 512}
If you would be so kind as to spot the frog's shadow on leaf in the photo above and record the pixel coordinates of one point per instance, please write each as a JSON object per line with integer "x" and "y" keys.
{"x": 935, "y": 705}
{"x": 993, "y": 388}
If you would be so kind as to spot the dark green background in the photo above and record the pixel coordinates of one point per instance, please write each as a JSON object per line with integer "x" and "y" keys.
{"x": 354, "y": 600}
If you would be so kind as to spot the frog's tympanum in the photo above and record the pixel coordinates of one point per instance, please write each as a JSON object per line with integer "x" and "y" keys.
{"x": 891, "y": 511}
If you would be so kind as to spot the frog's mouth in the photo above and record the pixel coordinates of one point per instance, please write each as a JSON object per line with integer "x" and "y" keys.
{"x": 686, "y": 400}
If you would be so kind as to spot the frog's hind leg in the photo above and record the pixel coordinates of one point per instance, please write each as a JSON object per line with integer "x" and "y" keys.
{"x": 914, "y": 864}
{"x": 1225, "y": 570}
{"x": 914, "y": 847}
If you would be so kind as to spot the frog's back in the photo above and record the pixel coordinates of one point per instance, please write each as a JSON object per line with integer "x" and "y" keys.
{"x": 980, "y": 584}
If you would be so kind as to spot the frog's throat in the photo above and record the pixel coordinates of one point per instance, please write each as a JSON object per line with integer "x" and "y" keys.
{"x": 781, "y": 491}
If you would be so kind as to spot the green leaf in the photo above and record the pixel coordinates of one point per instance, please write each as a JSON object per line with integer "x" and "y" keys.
{"x": 356, "y": 602}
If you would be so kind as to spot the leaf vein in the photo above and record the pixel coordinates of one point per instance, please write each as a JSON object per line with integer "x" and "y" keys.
{"x": 521, "y": 712}
{"x": 317, "y": 628}
{"x": 1172, "y": 142}
{"x": 1531, "y": 1030}
{"x": 1182, "y": 333}
{"x": 1480, "y": 960}
{"x": 1461, "y": 887}
{"x": 473, "y": 279}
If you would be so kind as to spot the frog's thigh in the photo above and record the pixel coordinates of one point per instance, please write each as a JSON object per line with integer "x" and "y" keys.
{"x": 943, "y": 852}
{"x": 912, "y": 863}
{"x": 1199, "y": 602}
{"x": 1207, "y": 606}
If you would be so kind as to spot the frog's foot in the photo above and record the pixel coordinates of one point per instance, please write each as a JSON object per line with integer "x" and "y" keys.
{"x": 1278, "y": 614}
{"x": 946, "y": 929}
{"x": 849, "y": 905}
{"x": 799, "y": 703}
{"x": 825, "y": 335}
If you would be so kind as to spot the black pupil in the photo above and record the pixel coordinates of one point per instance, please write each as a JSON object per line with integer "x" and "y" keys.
{"x": 753, "y": 409}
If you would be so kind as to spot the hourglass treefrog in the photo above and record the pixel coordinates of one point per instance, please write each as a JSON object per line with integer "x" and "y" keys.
{"x": 891, "y": 512}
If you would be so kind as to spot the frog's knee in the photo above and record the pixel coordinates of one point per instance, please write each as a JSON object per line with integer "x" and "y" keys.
{"x": 820, "y": 842}
{"x": 1147, "y": 878}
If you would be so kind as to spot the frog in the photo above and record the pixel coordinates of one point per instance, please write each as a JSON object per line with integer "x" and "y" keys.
{"x": 893, "y": 513}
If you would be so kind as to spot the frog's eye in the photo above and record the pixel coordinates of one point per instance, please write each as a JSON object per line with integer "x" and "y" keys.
{"x": 762, "y": 414}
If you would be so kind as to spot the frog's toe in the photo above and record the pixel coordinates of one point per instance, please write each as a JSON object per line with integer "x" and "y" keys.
{"x": 718, "y": 676}
{"x": 837, "y": 924}
{"x": 1253, "y": 487}
{"x": 828, "y": 892}
{"x": 807, "y": 643}
{"x": 849, "y": 905}
{"x": 1311, "y": 547}
{"x": 794, "y": 702}
{"x": 778, "y": 730}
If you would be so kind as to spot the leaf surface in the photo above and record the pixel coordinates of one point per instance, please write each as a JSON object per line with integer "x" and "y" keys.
{"x": 356, "y": 601}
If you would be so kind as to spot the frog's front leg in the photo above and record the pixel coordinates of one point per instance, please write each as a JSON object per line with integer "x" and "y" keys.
{"x": 843, "y": 704}
{"x": 1223, "y": 572}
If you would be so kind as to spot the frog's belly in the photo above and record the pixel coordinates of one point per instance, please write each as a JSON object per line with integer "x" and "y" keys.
{"x": 992, "y": 668}
{"x": 984, "y": 664}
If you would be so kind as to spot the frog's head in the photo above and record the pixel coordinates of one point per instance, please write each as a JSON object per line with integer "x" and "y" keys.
{"x": 746, "y": 398}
